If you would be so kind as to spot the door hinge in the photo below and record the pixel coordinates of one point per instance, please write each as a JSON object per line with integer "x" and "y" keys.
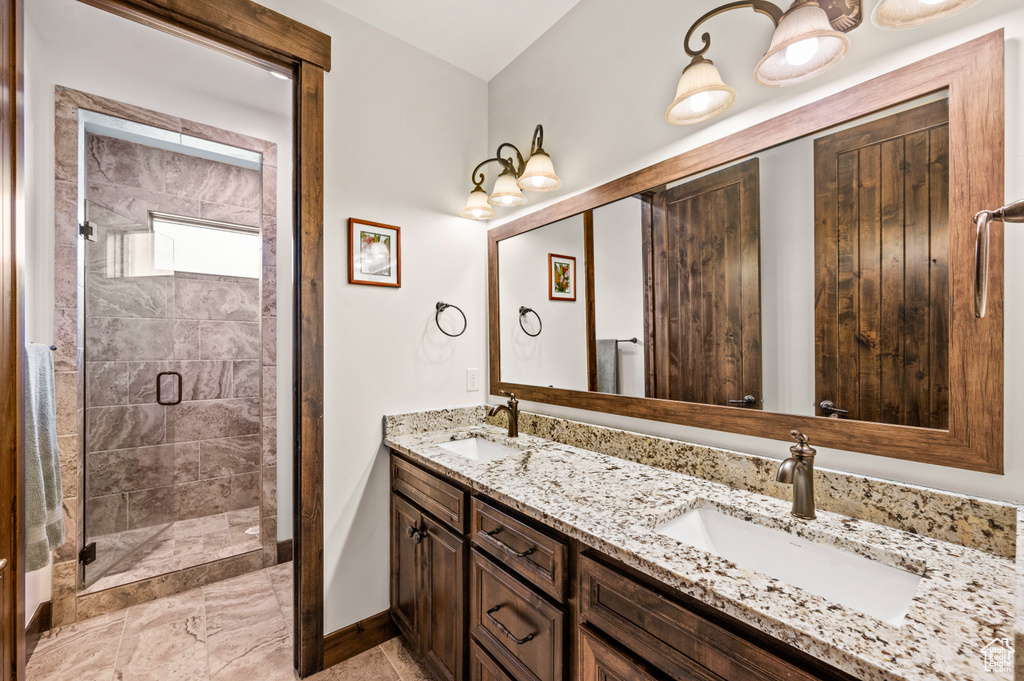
{"x": 88, "y": 554}
{"x": 86, "y": 229}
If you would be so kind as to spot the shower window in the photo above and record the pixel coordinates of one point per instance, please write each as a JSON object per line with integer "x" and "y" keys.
{"x": 210, "y": 247}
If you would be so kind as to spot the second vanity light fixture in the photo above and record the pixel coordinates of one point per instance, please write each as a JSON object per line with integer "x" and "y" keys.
{"x": 805, "y": 43}
{"x": 808, "y": 40}
{"x": 536, "y": 174}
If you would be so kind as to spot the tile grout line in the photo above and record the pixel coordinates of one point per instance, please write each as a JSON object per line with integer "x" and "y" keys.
{"x": 392, "y": 664}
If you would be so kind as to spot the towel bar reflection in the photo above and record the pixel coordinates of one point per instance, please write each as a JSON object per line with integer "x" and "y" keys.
{"x": 523, "y": 311}
{"x": 626, "y": 340}
{"x": 441, "y": 307}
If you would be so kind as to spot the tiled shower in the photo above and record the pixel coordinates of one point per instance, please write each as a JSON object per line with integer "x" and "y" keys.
{"x": 172, "y": 363}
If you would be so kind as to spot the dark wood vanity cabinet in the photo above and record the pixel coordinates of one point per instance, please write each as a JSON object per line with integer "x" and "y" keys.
{"x": 428, "y": 587}
{"x": 485, "y": 594}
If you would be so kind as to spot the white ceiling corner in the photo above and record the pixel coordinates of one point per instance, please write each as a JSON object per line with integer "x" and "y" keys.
{"x": 481, "y": 37}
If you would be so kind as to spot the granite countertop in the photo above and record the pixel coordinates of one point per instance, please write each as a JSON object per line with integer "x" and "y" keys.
{"x": 965, "y": 598}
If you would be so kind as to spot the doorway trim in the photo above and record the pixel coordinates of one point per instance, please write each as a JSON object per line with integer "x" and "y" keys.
{"x": 260, "y": 36}
{"x": 12, "y": 162}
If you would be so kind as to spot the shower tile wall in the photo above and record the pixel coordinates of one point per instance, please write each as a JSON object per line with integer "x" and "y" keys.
{"x": 145, "y": 467}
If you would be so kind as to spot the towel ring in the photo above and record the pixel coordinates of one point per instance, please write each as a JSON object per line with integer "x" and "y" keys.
{"x": 523, "y": 310}
{"x": 441, "y": 307}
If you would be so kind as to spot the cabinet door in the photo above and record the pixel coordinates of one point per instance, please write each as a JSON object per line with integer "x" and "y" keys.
{"x": 406, "y": 570}
{"x": 444, "y": 636}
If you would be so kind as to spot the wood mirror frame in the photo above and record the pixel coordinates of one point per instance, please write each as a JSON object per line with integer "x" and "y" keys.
{"x": 973, "y": 75}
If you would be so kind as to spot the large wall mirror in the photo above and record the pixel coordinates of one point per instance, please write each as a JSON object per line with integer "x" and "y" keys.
{"x": 815, "y": 271}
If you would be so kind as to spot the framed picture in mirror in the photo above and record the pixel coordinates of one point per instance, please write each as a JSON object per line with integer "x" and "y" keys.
{"x": 561, "y": 277}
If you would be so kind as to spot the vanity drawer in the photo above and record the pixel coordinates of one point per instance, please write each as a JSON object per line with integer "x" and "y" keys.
{"x": 437, "y": 497}
{"x": 533, "y": 555}
{"x": 518, "y": 627}
{"x": 482, "y": 666}
{"x": 599, "y": 661}
{"x": 669, "y": 635}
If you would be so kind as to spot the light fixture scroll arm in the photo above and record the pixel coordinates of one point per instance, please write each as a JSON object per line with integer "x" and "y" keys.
{"x": 537, "y": 144}
{"x": 515, "y": 166}
{"x": 476, "y": 170}
{"x": 768, "y": 9}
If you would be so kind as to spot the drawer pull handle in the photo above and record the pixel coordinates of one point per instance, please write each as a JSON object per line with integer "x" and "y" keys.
{"x": 508, "y": 549}
{"x": 503, "y": 629}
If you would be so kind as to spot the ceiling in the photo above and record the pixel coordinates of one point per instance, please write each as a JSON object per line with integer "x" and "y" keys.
{"x": 481, "y": 37}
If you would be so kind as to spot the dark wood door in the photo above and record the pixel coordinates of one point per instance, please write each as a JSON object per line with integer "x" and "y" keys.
{"x": 705, "y": 303}
{"x": 882, "y": 306}
{"x": 444, "y": 595}
{"x": 406, "y": 572}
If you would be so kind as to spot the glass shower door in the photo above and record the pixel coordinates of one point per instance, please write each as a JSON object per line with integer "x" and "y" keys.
{"x": 131, "y": 385}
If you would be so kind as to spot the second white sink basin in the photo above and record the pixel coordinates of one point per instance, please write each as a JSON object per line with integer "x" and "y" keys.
{"x": 477, "y": 448}
{"x": 865, "y": 585}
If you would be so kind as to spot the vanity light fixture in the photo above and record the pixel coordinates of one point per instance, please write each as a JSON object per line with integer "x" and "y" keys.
{"x": 536, "y": 174}
{"x": 809, "y": 39}
{"x": 911, "y": 13}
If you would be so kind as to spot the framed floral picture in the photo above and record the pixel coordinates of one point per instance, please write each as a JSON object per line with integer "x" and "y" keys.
{"x": 561, "y": 277}
{"x": 374, "y": 253}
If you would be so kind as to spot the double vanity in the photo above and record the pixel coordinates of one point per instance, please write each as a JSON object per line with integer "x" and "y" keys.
{"x": 592, "y": 553}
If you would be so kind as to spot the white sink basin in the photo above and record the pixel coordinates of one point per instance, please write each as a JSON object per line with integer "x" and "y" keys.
{"x": 865, "y": 585}
{"x": 477, "y": 448}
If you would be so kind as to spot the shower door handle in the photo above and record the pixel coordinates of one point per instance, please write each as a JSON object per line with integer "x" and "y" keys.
{"x": 159, "y": 388}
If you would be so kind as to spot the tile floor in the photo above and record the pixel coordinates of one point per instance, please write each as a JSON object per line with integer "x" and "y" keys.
{"x": 186, "y": 543}
{"x": 236, "y": 630}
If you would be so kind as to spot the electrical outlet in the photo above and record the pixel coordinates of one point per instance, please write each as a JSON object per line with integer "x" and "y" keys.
{"x": 472, "y": 380}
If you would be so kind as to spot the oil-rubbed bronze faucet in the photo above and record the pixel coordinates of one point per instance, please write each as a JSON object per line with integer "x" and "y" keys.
{"x": 798, "y": 470}
{"x": 513, "y": 413}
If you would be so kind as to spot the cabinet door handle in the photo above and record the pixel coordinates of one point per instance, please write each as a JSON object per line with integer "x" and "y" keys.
{"x": 3, "y": 565}
{"x": 508, "y": 549}
{"x": 503, "y": 629}
{"x": 414, "y": 534}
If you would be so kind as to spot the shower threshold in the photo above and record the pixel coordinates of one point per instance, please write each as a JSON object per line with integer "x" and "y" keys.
{"x": 182, "y": 544}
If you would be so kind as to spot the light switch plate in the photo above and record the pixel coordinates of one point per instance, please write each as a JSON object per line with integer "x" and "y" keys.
{"x": 472, "y": 380}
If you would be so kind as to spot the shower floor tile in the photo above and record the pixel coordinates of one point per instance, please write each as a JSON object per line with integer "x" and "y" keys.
{"x": 184, "y": 544}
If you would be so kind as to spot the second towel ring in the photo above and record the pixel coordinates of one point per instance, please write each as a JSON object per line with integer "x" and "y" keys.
{"x": 441, "y": 307}
{"x": 523, "y": 310}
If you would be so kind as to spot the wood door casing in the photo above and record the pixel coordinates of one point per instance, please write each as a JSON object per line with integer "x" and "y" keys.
{"x": 882, "y": 300}
{"x": 12, "y": 592}
{"x": 705, "y": 258}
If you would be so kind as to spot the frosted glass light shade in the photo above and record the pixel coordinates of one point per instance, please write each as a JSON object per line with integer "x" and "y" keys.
{"x": 910, "y": 13}
{"x": 700, "y": 95}
{"x": 804, "y": 45}
{"x": 477, "y": 207}
{"x": 506, "y": 193}
{"x": 539, "y": 175}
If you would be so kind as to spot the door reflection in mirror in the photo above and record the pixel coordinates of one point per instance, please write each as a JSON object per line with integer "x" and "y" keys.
{"x": 816, "y": 271}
